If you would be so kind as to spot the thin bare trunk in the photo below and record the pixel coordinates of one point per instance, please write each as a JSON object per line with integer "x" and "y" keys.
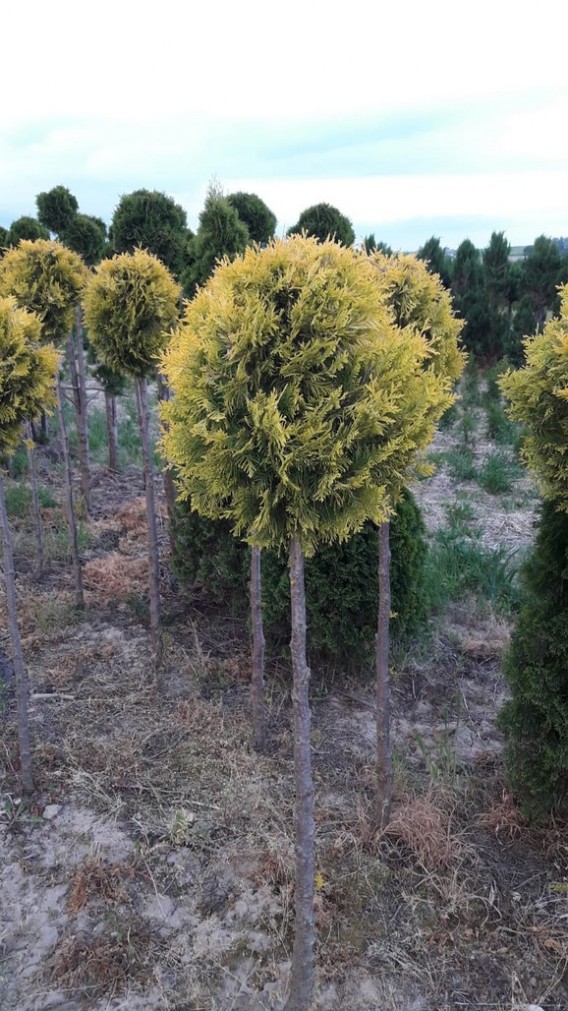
{"x": 112, "y": 430}
{"x": 169, "y": 486}
{"x": 153, "y": 557}
{"x": 35, "y": 502}
{"x": 20, "y": 671}
{"x": 257, "y": 680}
{"x": 83, "y": 417}
{"x": 302, "y": 971}
{"x": 71, "y": 522}
{"x": 383, "y": 690}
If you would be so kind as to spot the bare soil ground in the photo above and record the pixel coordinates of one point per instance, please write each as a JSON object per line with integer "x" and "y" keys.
{"x": 154, "y": 869}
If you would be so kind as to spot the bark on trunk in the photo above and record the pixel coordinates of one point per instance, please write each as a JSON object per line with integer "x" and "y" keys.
{"x": 112, "y": 430}
{"x": 169, "y": 486}
{"x": 80, "y": 411}
{"x": 71, "y": 522}
{"x": 19, "y": 666}
{"x": 153, "y": 557}
{"x": 383, "y": 692}
{"x": 257, "y": 681}
{"x": 38, "y": 532}
{"x": 302, "y": 971}
{"x": 83, "y": 417}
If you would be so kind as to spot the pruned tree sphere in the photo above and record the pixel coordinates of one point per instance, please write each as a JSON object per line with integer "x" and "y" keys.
{"x": 131, "y": 304}
{"x": 538, "y": 395}
{"x": 27, "y": 372}
{"x": 421, "y": 304}
{"x": 297, "y": 405}
{"x": 48, "y": 279}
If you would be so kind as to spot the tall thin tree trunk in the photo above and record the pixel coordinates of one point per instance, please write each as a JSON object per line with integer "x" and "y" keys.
{"x": 257, "y": 680}
{"x": 35, "y": 502}
{"x": 302, "y": 972}
{"x": 74, "y": 344}
{"x": 153, "y": 556}
{"x": 19, "y": 666}
{"x": 71, "y": 522}
{"x": 112, "y": 430}
{"x": 383, "y": 690}
{"x": 169, "y": 486}
{"x": 83, "y": 419}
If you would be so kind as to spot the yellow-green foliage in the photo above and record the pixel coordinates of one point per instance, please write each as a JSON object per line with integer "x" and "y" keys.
{"x": 298, "y": 405}
{"x": 131, "y": 303}
{"x": 46, "y": 278}
{"x": 27, "y": 372}
{"x": 538, "y": 395}
{"x": 420, "y": 303}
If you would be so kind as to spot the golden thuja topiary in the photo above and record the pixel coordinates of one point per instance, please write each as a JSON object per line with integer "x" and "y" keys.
{"x": 48, "y": 279}
{"x": 27, "y": 381}
{"x": 298, "y": 406}
{"x": 131, "y": 304}
{"x": 27, "y": 373}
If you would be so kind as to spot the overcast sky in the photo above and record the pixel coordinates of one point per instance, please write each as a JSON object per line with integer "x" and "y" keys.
{"x": 412, "y": 118}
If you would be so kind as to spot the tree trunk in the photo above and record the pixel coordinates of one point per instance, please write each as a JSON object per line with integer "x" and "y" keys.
{"x": 383, "y": 692}
{"x": 302, "y": 971}
{"x": 35, "y": 502}
{"x": 19, "y": 666}
{"x": 257, "y": 680}
{"x": 169, "y": 486}
{"x": 83, "y": 417}
{"x": 112, "y": 430}
{"x": 71, "y": 522}
{"x": 153, "y": 557}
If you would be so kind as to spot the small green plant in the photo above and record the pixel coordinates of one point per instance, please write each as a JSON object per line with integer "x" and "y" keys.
{"x": 458, "y": 567}
{"x": 56, "y": 540}
{"x": 500, "y": 428}
{"x": 461, "y": 463}
{"x": 469, "y": 387}
{"x": 51, "y": 615}
{"x": 18, "y": 500}
{"x": 467, "y": 427}
{"x": 498, "y": 473}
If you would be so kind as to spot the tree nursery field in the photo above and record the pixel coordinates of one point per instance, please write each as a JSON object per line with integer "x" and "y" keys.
{"x": 153, "y": 866}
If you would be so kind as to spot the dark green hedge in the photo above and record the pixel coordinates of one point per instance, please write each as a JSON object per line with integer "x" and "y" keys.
{"x": 535, "y": 720}
{"x": 341, "y": 582}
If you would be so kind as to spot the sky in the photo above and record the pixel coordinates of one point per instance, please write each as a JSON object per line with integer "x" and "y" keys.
{"x": 414, "y": 119}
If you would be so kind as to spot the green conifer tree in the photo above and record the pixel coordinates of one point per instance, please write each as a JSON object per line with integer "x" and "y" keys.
{"x": 27, "y": 382}
{"x": 297, "y": 410}
{"x": 131, "y": 304}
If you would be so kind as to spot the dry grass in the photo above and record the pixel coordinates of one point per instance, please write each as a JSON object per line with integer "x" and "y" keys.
{"x": 114, "y": 577}
{"x": 94, "y": 879}
{"x": 423, "y": 827}
{"x": 90, "y": 967}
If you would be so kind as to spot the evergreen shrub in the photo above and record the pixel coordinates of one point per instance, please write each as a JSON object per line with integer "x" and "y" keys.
{"x": 341, "y": 581}
{"x": 535, "y": 719}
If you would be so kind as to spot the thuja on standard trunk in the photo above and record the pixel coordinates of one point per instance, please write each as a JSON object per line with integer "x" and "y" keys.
{"x": 296, "y": 406}
{"x": 78, "y": 370}
{"x": 131, "y": 304}
{"x": 27, "y": 379}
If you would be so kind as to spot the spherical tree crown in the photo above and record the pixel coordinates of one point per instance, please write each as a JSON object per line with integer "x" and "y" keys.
{"x": 297, "y": 405}
{"x": 27, "y": 372}
{"x": 130, "y": 303}
{"x": 47, "y": 279}
{"x": 538, "y": 395}
{"x": 420, "y": 303}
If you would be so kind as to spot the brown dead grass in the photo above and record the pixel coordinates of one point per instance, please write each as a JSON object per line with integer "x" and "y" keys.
{"x": 423, "y": 826}
{"x": 91, "y": 967}
{"x": 95, "y": 879}
{"x": 114, "y": 577}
